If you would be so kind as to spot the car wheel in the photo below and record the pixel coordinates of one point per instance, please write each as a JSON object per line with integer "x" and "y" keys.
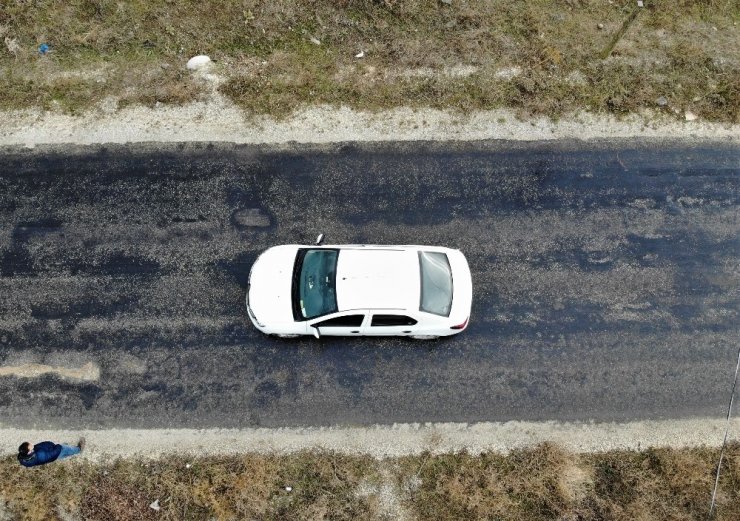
{"x": 287, "y": 336}
{"x": 424, "y": 337}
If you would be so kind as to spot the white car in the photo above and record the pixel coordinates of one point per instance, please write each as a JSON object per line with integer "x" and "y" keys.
{"x": 422, "y": 292}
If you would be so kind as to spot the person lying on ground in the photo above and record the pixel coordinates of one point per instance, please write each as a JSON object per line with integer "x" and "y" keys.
{"x": 46, "y": 452}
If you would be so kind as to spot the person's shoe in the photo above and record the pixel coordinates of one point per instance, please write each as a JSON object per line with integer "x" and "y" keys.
{"x": 81, "y": 444}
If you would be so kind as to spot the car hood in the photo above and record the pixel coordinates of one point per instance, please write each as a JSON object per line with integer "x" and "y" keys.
{"x": 270, "y": 281}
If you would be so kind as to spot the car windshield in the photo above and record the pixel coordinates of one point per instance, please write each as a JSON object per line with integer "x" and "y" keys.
{"x": 314, "y": 279}
{"x": 436, "y": 283}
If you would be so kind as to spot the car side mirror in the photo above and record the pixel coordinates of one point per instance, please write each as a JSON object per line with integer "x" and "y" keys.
{"x": 316, "y": 331}
{"x": 319, "y": 239}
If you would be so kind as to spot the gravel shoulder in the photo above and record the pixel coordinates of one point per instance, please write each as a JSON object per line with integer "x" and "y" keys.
{"x": 217, "y": 120}
{"x": 382, "y": 441}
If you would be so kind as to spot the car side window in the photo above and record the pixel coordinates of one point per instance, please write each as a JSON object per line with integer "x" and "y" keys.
{"x": 345, "y": 321}
{"x": 392, "y": 320}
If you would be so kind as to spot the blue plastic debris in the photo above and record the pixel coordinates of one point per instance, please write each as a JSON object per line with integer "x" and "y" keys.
{"x": 44, "y": 48}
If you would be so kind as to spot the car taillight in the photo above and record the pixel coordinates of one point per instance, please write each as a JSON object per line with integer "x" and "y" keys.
{"x": 461, "y": 326}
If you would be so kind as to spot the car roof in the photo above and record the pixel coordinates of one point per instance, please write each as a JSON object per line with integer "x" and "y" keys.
{"x": 375, "y": 278}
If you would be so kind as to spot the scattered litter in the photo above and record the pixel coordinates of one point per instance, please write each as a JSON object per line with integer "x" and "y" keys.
{"x": 198, "y": 62}
{"x": 154, "y": 505}
{"x": 640, "y": 3}
{"x": 690, "y": 116}
{"x": 12, "y": 45}
{"x": 315, "y": 41}
{"x": 360, "y": 54}
{"x": 44, "y": 48}
{"x": 600, "y": 26}
{"x": 662, "y": 101}
{"x": 188, "y": 465}
{"x": 446, "y": 2}
{"x": 288, "y": 489}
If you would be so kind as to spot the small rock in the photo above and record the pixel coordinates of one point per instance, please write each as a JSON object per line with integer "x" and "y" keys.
{"x": 315, "y": 41}
{"x": 198, "y": 62}
{"x": 696, "y": 98}
{"x": 12, "y": 45}
{"x": 288, "y": 489}
{"x": 446, "y": 2}
{"x": 360, "y": 54}
{"x": 154, "y": 505}
{"x": 690, "y": 116}
{"x": 640, "y": 3}
{"x": 662, "y": 101}
{"x": 165, "y": 65}
{"x": 600, "y": 26}
{"x": 188, "y": 465}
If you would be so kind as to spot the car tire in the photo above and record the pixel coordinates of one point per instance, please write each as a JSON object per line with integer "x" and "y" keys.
{"x": 424, "y": 337}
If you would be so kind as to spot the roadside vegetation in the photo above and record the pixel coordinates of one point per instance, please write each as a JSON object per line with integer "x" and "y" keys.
{"x": 539, "y": 57}
{"x": 541, "y": 483}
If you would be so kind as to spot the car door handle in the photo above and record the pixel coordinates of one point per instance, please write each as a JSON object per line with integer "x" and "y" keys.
{"x": 354, "y": 331}
{"x": 405, "y": 331}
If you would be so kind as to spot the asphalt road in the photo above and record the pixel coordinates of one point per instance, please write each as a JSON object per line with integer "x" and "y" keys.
{"x": 605, "y": 282}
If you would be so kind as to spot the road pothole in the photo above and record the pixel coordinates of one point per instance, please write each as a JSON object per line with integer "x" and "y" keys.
{"x": 251, "y": 217}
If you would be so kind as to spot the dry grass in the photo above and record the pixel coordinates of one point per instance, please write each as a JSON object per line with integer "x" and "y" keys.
{"x": 534, "y": 484}
{"x": 523, "y": 485}
{"x": 242, "y": 487}
{"x": 683, "y": 50}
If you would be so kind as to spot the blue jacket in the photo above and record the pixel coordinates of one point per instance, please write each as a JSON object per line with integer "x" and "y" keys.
{"x": 44, "y": 452}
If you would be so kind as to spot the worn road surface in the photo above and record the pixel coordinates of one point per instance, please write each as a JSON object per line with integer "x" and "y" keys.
{"x": 606, "y": 282}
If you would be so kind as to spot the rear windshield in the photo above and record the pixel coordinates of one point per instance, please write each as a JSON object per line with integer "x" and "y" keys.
{"x": 436, "y": 283}
{"x": 314, "y": 279}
